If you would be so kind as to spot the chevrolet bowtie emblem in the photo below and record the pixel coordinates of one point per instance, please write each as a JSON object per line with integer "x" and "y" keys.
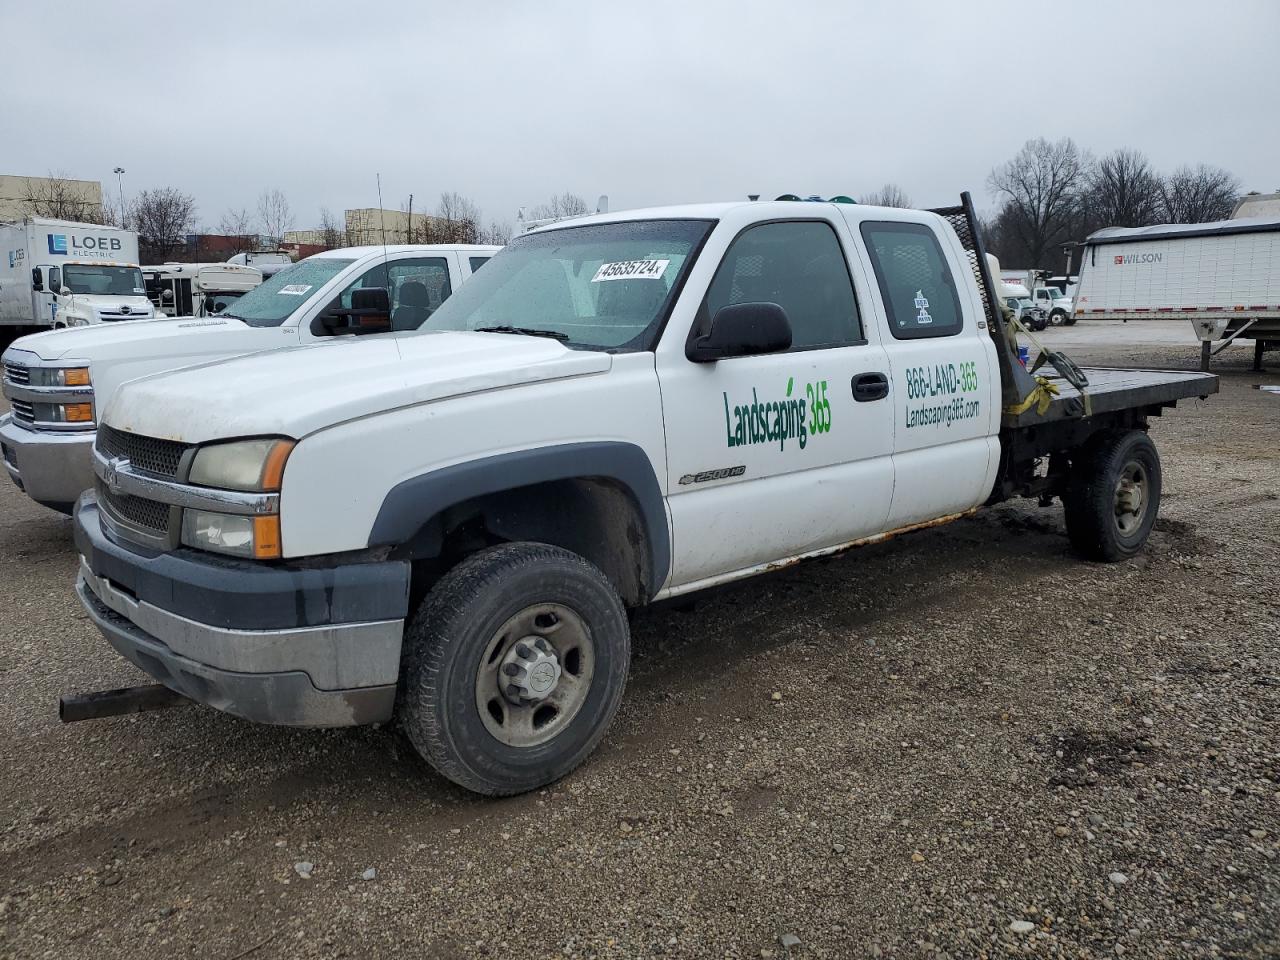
{"x": 111, "y": 473}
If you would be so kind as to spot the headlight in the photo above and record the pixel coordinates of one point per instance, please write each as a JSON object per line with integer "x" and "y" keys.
{"x": 252, "y": 465}
{"x": 59, "y": 376}
{"x": 255, "y": 466}
{"x": 64, "y": 413}
{"x": 255, "y": 537}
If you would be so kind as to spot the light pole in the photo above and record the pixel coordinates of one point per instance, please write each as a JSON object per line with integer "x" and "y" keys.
{"x": 119, "y": 172}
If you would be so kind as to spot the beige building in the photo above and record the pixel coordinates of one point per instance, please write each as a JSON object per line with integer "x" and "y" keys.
{"x": 56, "y": 197}
{"x": 366, "y": 225}
{"x": 305, "y": 238}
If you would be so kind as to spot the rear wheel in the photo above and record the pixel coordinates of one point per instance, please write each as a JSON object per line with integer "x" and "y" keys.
{"x": 514, "y": 666}
{"x": 1114, "y": 496}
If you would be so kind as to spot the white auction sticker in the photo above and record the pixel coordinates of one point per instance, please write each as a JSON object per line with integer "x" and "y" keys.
{"x": 295, "y": 289}
{"x": 631, "y": 270}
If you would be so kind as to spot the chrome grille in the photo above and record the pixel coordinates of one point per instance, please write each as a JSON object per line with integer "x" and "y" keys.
{"x": 17, "y": 373}
{"x": 158, "y": 457}
{"x": 23, "y": 411}
{"x": 150, "y": 516}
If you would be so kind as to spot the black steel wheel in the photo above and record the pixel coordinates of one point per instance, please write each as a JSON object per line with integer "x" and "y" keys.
{"x": 513, "y": 667}
{"x": 1113, "y": 495}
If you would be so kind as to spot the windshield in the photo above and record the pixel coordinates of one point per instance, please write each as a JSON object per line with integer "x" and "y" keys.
{"x": 217, "y": 302}
{"x": 268, "y": 304}
{"x": 1054, "y": 292}
{"x": 602, "y": 287}
{"x": 103, "y": 281}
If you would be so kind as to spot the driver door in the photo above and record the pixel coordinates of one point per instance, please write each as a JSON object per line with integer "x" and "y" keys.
{"x": 771, "y": 456}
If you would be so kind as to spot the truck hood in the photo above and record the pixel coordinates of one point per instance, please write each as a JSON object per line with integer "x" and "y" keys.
{"x": 297, "y": 391}
{"x": 109, "y": 341}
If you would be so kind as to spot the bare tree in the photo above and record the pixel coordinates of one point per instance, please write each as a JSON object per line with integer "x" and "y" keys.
{"x": 1120, "y": 190}
{"x": 890, "y": 195}
{"x": 458, "y": 219}
{"x": 331, "y": 235}
{"x": 162, "y": 218}
{"x": 561, "y": 205}
{"x": 1199, "y": 194}
{"x": 237, "y": 226}
{"x": 275, "y": 215}
{"x": 497, "y": 233}
{"x": 1039, "y": 190}
{"x": 61, "y": 198}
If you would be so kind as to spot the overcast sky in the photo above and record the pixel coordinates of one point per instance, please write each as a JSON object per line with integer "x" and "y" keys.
{"x": 652, "y": 102}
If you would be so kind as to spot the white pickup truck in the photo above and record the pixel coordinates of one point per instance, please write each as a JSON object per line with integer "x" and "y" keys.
{"x": 56, "y": 381}
{"x": 449, "y": 526}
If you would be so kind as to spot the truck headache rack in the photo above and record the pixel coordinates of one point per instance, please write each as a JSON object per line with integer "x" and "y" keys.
{"x": 1016, "y": 382}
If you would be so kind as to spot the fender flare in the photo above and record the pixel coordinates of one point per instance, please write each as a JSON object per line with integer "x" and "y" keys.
{"x": 410, "y": 504}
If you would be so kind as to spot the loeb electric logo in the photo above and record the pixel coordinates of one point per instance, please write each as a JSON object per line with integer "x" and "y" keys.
{"x": 1138, "y": 258}
{"x": 58, "y": 243}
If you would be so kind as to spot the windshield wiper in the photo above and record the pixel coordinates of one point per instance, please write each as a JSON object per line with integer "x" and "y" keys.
{"x": 527, "y": 331}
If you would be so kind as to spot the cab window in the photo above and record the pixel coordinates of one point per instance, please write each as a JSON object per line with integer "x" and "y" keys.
{"x": 477, "y": 262}
{"x": 915, "y": 282}
{"x": 798, "y": 265}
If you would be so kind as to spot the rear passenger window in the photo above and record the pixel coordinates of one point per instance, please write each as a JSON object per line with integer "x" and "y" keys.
{"x": 915, "y": 282}
{"x": 800, "y": 267}
{"x": 477, "y": 262}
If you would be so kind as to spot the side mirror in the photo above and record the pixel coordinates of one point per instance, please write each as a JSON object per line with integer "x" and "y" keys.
{"x": 372, "y": 299}
{"x": 64, "y": 292}
{"x": 370, "y": 313}
{"x": 742, "y": 330}
{"x": 37, "y": 281}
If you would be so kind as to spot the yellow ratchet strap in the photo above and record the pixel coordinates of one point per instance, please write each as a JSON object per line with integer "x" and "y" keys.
{"x": 1040, "y": 398}
{"x": 1045, "y": 391}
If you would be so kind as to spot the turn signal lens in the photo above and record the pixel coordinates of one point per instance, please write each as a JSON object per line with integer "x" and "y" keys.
{"x": 75, "y": 377}
{"x": 266, "y": 536}
{"x": 78, "y": 412}
{"x": 273, "y": 468}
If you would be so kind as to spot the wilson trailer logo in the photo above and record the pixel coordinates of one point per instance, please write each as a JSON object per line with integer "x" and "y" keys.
{"x": 1122, "y": 259}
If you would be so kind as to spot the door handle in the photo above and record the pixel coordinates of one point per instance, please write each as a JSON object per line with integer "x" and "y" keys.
{"x": 870, "y": 386}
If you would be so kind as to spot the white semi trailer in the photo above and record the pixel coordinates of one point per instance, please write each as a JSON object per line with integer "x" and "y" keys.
{"x": 1224, "y": 277}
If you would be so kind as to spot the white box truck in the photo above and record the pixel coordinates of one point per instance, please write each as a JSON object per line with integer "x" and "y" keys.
{"x": 1224, "y": 277}
{"x": 56, "y": 273}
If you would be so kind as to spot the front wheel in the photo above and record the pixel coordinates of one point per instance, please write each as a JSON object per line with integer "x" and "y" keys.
{"x": 1058, "y": 318}
{"x": 1114, "y": 496}
{"x": 513, "y": 668}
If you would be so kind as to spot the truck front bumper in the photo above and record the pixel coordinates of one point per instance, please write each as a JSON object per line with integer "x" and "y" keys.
{"x": 314, "y": 646}
{"x": 53, "y": 469}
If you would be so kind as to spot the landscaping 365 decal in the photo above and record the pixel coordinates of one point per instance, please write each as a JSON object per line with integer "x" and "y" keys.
{"x": 791, "y": 417}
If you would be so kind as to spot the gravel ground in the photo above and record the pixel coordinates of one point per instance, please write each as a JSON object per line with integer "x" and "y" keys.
{"x": 961, "y": 743}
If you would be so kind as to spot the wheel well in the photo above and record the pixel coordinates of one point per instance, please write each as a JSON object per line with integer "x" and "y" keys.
{"x": 1061, "y": 441}
{"x": 594, "y": 517}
